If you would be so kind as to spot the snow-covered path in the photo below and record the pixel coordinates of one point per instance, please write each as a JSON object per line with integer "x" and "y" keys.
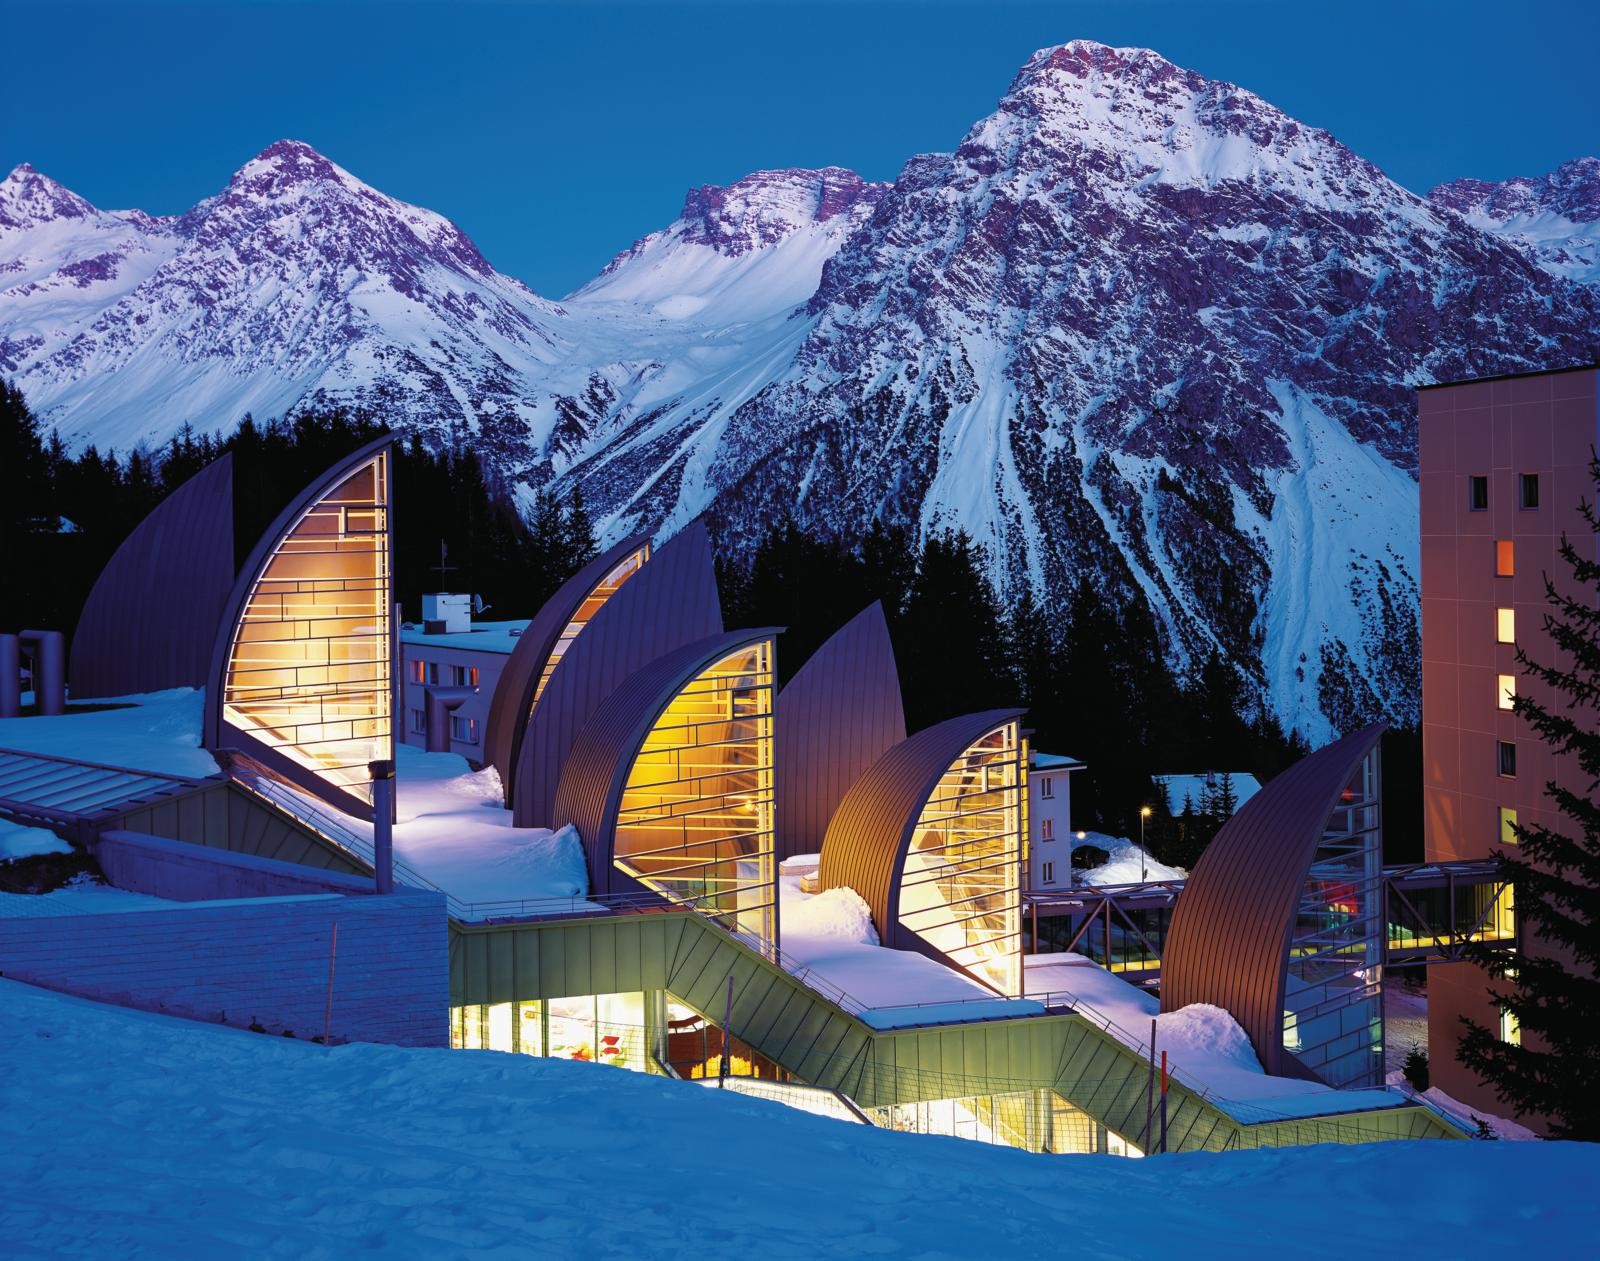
{"x": 131, "y": 1135}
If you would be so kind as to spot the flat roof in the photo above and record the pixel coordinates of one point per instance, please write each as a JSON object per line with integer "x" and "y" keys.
{"x": 500, "y": 637}
{"x": 1055, "y": 761}
{"x": 1512, "y": 376}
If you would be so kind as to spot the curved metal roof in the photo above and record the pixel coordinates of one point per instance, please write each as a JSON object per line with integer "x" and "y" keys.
{"x": 233, "y": 609}
{"x": 1229, "y": 940}
{"x": 670, "y": 602}
{"x": 868, "y": 838}
{"x": 836, "y": 717}
{"x": 596, "y": 771}
{"x": 151, "y": 617}
{"x": 519, "y": 678}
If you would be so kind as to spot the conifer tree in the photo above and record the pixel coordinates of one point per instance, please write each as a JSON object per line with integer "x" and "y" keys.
{"x": 1553, "y": 1069}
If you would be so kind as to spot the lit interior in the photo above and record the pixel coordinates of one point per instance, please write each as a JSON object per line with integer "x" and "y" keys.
{"x": 961, "y": 890}
{"x": 695, "y": 821}
{"x": 592, "y": 603}
{"x": 593, "y": 1028}
{"x": 1333, "y": 1019}
{"x": 309, "y": 666}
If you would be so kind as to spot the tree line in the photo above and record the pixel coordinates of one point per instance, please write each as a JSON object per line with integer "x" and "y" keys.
{"x": 62, "y": 516}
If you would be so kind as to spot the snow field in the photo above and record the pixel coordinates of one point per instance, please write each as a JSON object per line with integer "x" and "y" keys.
{"x": 143, "y": 1136}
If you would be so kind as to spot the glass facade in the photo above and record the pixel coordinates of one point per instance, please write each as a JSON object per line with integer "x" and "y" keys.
{"x": 961, "y": 888}
{"x": 1333, "y": 1018}
{"x": 595, "y": 1028}
{"x": 592, "y": 603}
{"x": 1037, "y": 1120}
{"x": 695, "y": 819}
{"x": 309, "y": 666}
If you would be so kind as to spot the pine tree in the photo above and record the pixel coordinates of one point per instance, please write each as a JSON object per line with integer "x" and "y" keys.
{"x": 1554, "y": 1069}
{"x": 1224, "y": 801}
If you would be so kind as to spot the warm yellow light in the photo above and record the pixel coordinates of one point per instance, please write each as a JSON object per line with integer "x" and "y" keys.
{"x": 1083, "y": 836}
{"x": 1506, "y": 690}
{"x": 1144, "y": 812}
{"x": 1506, "y": 625}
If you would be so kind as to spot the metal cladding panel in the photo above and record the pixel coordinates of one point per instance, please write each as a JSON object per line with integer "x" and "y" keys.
{"x": 519, "y": 677}
{"x": 866, "y": 842}
{"x": 215, "y": 733}
{"x": 596, "y": 770}
{"x": 837, "y": 716}
{"x": 670, "y": 602}
{"x": 1229, "y": 940}
{"x": 151, "y": 617}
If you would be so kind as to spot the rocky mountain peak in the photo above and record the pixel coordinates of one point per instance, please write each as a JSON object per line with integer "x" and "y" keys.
{"x": 1554, "y": 218}
{"x": 29, "y": 198}
{"x": 283, "y": 166}
{"x": 766, "y": 206}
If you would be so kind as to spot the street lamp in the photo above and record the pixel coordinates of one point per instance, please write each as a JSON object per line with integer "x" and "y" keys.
{"x": 1144, "y": 855}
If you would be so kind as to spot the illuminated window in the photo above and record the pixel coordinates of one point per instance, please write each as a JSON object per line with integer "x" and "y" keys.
{"x": 960, "y": 888}
{"x": 472, "y": 676}
{"x": 1508, "y": 826}
{"x": 1505, "y": 558}
{"x": 1505, "y": 626}
{"x": 419, "y": 671}
{"x": 695, "y": 820}
{"x": 1506, "y": 758}
{"x": 1048, "y": 873}
{"x": 1505, "y": 690}
{"x": 593, "y": 1028}
{"x": 1047, "y": 786}
{"x": 1047, "y": 829}
{"x": 592, "y": 603}
{"x": 1510, "y": 1029}
{"x": 1477, "y": 494}
{"x": 308, "y": 669}
{"x": 1528, "y": 490}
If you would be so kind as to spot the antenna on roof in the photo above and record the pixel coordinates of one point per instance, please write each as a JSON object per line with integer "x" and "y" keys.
{"x": 442, "y": 567}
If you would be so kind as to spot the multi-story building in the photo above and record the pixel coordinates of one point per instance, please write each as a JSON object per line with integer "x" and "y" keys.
{"x": 1050, "y": 821}
{"x": 1505, "y": 462}
{"x": 435, "y": 655}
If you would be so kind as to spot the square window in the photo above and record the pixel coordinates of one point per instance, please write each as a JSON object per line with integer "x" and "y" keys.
{"x": 1505, "y": 690}
{"x": 1047, "y": 873}
{"x": 1506, "y": 758}
{"x": 1528, "y": 492}
{"x": 458, "y": 675}
{"x": 1047, "y": 829}
{"x": 1477, "y": 494}
{"x": 1505, "y": 558}
{"x": 1047, "y": 786}
{"x": 1505, "y": 626}
{"x": 464, "y": 729}
{"x": 1508, "y": 826}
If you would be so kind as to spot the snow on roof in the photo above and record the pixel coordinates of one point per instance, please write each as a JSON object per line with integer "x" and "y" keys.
{"x": 500, "y": 637}
{"x": 453, "y": 831}
{"x": 86, "y": 896}
{"x": 1055, "y": 761}
{"x": 1125, "y": 862}
{"x": 829, "y": 936}
{"x": 1206, "y": 1048}
{"x": 1181, "y": 787}
{"x": 152, "y": 731}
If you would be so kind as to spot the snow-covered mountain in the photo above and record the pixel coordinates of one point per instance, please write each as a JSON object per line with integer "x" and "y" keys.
{"x": 1555, "y": 217}
{"x": 1140, "y": 328}
{"x": 296, "y": 282}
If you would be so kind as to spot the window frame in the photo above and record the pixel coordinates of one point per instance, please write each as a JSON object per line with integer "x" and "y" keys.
{"x": 1047, "y": 873}
{"x": 1505, "y": 558}
{"x": 1505, "y": 624}
{"x": 1477, "y": 492}
{"x": 1505, "y": 756}
{"x": 1525, "y": 483}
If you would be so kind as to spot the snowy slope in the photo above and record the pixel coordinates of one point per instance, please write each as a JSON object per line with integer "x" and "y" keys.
{"x": 1554, "y": 217}
{"x": 297, "y": 281}
{"x": 142, "y": 1136}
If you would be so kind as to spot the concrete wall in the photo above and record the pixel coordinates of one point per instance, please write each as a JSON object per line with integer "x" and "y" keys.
{"x": 192, "y": 873}
{"x": 442, "y": 663}
{"x": 1053, "y": 815}
{"x": 262, "y": 961}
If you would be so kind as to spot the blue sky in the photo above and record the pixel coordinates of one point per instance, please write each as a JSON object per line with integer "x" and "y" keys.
{"x": 557, "y": 134}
